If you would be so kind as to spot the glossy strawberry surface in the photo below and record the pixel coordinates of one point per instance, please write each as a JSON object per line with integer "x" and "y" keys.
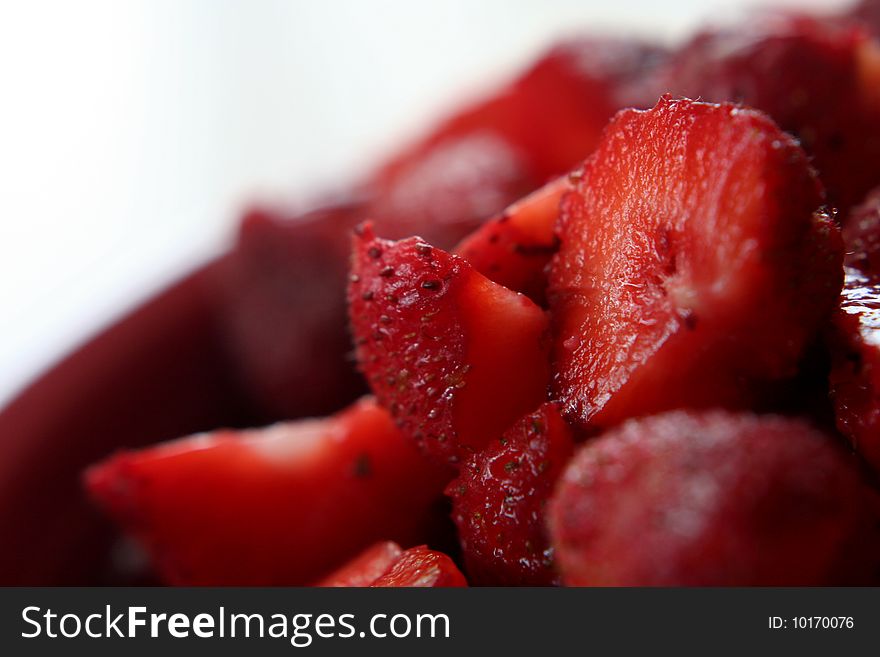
{"x": 499, "y": 501}
{"x": 713, "y": 499}
{"x": 694, "y": 264}
{"x": 455, "y": 357}
{"x": 277, "y": 506}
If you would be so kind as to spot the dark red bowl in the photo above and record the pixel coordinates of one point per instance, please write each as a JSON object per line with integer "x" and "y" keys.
{"x": 158, "y": 373}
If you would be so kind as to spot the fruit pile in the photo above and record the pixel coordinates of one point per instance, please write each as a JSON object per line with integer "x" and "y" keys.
{"x": 659, "y": 365}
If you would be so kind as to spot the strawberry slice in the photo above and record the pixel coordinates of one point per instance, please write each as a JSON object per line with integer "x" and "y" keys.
{"x": 854, "y": 337}
{"x": 455, "y": 357}
{"x": 499, "y": 497}
{"x": 817, "y": 78}
{"x": 277, "y": 506}
{"x": 420, "y": 567}
{"x": 712, "y": 499}
{"x": 365, "y": 568}
{"x": 387, "y": 565}
{"x": 693, "y": 268}
{"x": 514, "y": 248}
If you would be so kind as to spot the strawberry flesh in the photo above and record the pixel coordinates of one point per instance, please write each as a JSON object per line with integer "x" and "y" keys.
{"x": 420, "y": 567}
{"x": 694, "y": 267}
{"x": 712, "y": 499}
{"x": 365, "y": 568}
{"x": 499, "y": 501}
{"x": 514, "y": 248}
{"x": 278, "y": 506}
{"x": 455, "y": 357}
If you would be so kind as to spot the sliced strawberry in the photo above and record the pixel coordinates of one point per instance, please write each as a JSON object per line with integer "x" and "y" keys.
{"x": 387, "y": 565}
{"x": 455, "y": 357}
{"x": 854, "y": 337}
{"x": 514, "y": 248}
{"x": 693, "y": 268}
{"x": 420, "y": 567}
{"x": 365, "y": 568}
{"x": 712, "y": 499}
{"x": 499, "y": 498}
{"x": 817, "y": 78}
{"x": 854, "y": 341}
{"x": 861, "y": 235}
{"x": 282, "y": 505}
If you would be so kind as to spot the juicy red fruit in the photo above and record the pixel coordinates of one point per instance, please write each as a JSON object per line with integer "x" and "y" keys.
{"x": 455, "y": 357}
{"x": 514, "y": 248}
{"x": 816, "y": 78}
{"x": 277, "y": 506}
{"x": 499, "y": 501}
{"x": 854, "y": 337}
{"x": 387, "y": 565}
{"x": 694, "y": 267}
{"x": 420, "y": 567}
{"x": 712, "y": 499}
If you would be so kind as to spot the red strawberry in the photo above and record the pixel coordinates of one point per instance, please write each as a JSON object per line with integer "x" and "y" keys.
{"x": 278, "y": 506}
{"x": 854, "y": 341}
{"x": 854, "y": 338}
{"x": 861, "y": 235}
{"x": 817, "y": 78}
{"x": 499, "y": 498}
{"x": 693, "y": 267}
{"x": 712, "y": 499}
{"x": 514, "y": 248}
{"x": 282, "y": 305}
{"x": 387, "y": 565}
{"x": 420, "y": 567}
{"x": 282, "y": 310}
{"x": 455, "y": 357}
{"x": 365, "y": 568}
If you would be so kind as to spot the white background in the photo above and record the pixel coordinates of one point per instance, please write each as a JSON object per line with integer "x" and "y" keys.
{"x": 131, "y": 133}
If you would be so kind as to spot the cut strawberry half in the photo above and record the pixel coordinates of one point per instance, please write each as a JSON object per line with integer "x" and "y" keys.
{"x": 694, "y": 267}
{"x": 278, "y": 506}
{"x": 420, "y": 567}
{"x": 713, "y": 499}
{"x": 499, "y": 498}
{"x": 387, "y": 565}
{"x": 455, "y": 357}
{"x": 514, "y": 248}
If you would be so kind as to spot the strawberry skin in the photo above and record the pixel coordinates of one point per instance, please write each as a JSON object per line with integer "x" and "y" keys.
{"x": 499, "y": 501}
{"x": 455, "y": 357}
{"x": 387, "y": 565}
{"x": 277, "y": 506}
{"x": 816, "y": 78}
{"x": 514, "y": 248}
{"x": 420, "y": 567}
{"x": 365, "y": 568}
{"x": 712, "y": 499}
{"x": 693, "y": 267}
